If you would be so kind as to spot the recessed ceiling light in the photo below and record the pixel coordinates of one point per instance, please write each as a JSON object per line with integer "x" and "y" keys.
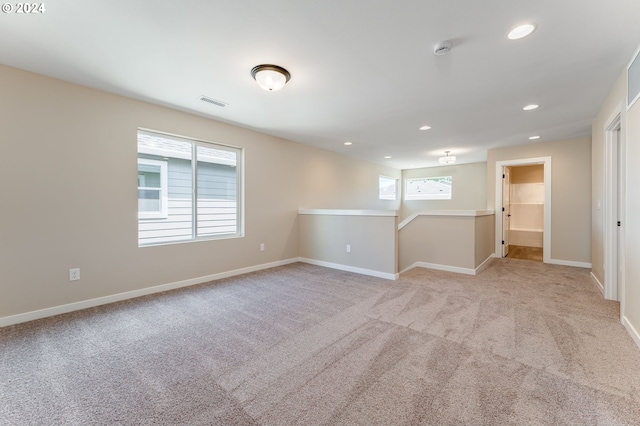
{"x": 425, "y": 127}
{"x": 387, "y": 156}
{"x": 521, "y": 31}
{"x": 530, "y": 107}
{"x": 534, "y": 137}
{"x": 348, "y": 143}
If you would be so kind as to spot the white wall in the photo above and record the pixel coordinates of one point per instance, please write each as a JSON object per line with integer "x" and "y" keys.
{"x": 68, "y": 174}
{"x": 570, "y": 193}
{"x": 630, "y": 134}
{"x": 468, "y": 190}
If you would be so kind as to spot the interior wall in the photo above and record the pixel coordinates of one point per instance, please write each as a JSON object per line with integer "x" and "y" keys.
{"x": 570, "y": 192}
{"x": 631, "y": 307}
{"x": 68, "y": 178}
{"x": 467, "y": 192}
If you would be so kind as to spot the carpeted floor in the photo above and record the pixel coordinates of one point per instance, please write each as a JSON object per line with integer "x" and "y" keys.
{"x": 522, "y": 343}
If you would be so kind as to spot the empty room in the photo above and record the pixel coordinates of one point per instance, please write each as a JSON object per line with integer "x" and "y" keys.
{"x": 320, "y": 213}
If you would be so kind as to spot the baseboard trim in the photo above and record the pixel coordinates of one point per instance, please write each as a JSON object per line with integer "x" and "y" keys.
{"x": 348, "y": 268}
{"x": 76, "y": 306}
{"x": 597, "y": 282}
{"x": 456, "y": 269}
{"x": 570, "y": 263}
{"x": 437, "y": 266}
{"x": 631, "y": 330}
{"x": 484, "y": 264}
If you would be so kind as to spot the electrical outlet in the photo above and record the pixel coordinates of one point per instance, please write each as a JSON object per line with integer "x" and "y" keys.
{"x": 74, "y": 274}
{"x": 261, "y": 246}
{"x": 348, "y": 248}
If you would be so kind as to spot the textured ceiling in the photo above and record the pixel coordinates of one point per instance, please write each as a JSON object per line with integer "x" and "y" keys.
{"x": 362, "y": 71}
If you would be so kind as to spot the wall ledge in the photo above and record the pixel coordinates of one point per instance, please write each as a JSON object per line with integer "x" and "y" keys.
{"x": 346, "y": 212}
{"x": 462, "y": 213}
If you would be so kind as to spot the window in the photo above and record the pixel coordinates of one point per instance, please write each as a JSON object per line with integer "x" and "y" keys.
{"x": 187, "y": 189}
{"x": 152, "y": 188}
{"x": 388, "y": 188}
{"x": 428, "y": 188}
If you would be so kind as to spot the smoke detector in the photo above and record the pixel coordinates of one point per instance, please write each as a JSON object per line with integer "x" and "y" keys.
{"x": 442, "y": 48}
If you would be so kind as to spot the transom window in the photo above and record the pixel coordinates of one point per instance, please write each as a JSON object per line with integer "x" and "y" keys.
{"x": 187, "y": 189}
{"x": 428, "y": 188}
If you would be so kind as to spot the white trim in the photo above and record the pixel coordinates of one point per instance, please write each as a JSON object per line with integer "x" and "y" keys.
{"x": 439, "y": 267}
{"x": 448, "y": 268}
{"x": 631, "y": 102}
{"x": 484, "y": 264}
{"x": 631, "y": 330}
{"x": 335, "y": 212}
{"x": 597, "y": 282}
{"x": 76, "y": 306}
{"x": 613, "y": 187}
{"x": 435, "y": 212}
{"x": 570, "y": 263}
{"x": 348, "y": 268}
{"x": 546, "y": 235}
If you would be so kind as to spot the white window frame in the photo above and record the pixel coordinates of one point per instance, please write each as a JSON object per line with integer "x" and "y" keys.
{"x": 410, "y": 195}
{"x": 164, "y": 186}
{"x": 395, "y": 192}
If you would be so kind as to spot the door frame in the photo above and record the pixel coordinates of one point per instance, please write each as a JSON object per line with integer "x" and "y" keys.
{"x": 546, "y": 236}
{"x": 614, "y": 188}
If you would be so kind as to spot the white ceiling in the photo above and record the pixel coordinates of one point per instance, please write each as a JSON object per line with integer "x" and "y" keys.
{"x": 362, "y": 70}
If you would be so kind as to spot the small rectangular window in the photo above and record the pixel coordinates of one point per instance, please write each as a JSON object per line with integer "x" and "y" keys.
{"x": 187, "y": 189}
{"x": 428, "y": 188}
{"x": 388, "y": 188}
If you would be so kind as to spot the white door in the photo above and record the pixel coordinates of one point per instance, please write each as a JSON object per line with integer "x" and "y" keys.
{"x": 619, "y": 250}
{"x": 506, "y": 211}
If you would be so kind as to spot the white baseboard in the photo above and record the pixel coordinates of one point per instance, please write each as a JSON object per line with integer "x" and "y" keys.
{"x": 570, "y": 263}
{"x": 484, "y": 264}
{"x": 598, "y": 283}
{"x": 371, "y": 272}
{"x": 448, "y": 268}
{"x": 457, "y": 269}
{"x": 631, "y": 330}
{"x": 76, "y": 306}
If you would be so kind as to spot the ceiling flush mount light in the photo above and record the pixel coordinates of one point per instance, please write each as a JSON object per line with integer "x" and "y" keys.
{"x": 270, "y": 77}
{"x": 348, "y": 143}
{"x": 521, "y": 31}
{"x": 532, "y": 138}
{"x": 425, "y": 127}
{"x": 387, "y": 157}
{"x": 448, "y": 159}
{"x": 442, "y": 48}
{"x": 530, "y": 107}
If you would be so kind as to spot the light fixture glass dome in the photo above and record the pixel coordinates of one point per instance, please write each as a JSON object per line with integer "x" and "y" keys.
{"x": 448, "y": 159}
{"x": 270, "y": 77}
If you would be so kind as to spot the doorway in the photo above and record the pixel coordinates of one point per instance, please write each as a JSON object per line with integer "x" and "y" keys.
{"x": 523, "y": 199}
{"x": 523, "y": 208}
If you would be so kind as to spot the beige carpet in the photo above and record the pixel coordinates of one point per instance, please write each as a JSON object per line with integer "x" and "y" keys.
{"x": 522, "y": 343}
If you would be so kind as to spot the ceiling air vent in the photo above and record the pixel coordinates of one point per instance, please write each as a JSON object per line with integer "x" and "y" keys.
{"x": 633, "y": 80}
{"x": 213, "y": 101}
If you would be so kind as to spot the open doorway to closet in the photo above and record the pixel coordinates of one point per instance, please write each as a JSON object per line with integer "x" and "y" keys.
{"x": 523, "y": 207}
{"x": 523, "y": 199}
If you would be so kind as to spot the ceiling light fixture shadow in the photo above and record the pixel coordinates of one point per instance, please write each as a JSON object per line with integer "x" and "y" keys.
{"x": 270, "y": 77}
